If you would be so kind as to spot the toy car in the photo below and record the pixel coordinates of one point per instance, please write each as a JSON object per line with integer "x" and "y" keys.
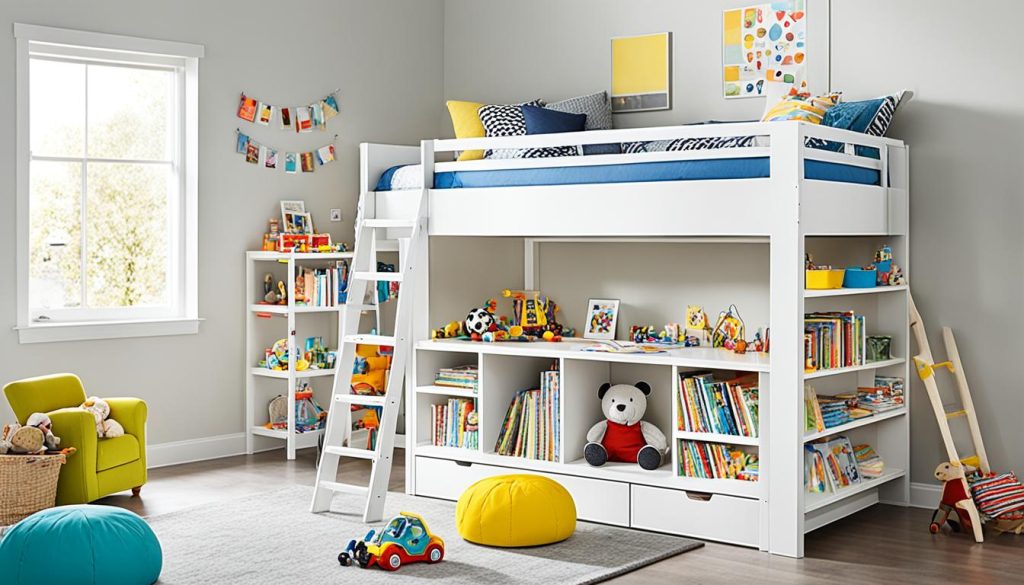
{"x": 406, "y": 539}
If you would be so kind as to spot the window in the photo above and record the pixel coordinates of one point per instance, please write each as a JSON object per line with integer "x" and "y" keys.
{"x": 106, "y": 185}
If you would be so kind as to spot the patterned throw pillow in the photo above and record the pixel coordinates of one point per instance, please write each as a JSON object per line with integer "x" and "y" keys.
{"x": 504, "y": 120}
{"x": 872, "y": 117}
{"x": 803, "y": 107}
{"x": 711, "y": 142}
{"x": 598, "y": 109}
{"x": 545, "y": 121}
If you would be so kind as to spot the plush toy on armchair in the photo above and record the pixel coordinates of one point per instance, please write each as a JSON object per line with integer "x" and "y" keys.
{"x": 623, "y": 436}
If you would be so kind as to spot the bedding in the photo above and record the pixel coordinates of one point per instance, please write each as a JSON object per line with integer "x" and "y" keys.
{"x": 598, "y": 109}
{"x": 466, "y": 123}
{"x": 544, "y": 121}
{"x": 409, "y": 176}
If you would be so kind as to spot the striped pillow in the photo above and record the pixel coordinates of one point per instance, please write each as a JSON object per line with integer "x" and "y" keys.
{"x": 998, "y": 495}
{"x": 803, "y": 107}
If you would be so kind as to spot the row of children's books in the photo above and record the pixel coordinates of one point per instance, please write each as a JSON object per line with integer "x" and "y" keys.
{"x": 716, "y": 461}
{"x": 826, "y": 412}
{"x": 834, "y": 340}
{"x": 707, "y": 406}
{"x": 531, "y": 428}
{"x": 832, "y": 465}
{"x": 455, "y": 423}
{"x": 467, "y": 377}
{"x": 322, "y": 287}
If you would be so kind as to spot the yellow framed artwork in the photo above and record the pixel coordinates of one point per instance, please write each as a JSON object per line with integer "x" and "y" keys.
{"x": 642, "y": 73}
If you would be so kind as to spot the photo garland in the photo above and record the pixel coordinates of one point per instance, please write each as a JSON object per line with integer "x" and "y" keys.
{"x": 267, "y": 156}
{"x": 301, "y": 119}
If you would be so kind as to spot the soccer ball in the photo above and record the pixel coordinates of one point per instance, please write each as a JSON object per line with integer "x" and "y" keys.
{"x": 479, "y": 321}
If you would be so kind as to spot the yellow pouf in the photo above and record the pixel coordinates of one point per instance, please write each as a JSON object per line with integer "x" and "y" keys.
{"x": 515, "y": 510}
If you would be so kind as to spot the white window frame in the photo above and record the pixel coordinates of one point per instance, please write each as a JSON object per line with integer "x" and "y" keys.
{"x": 184, "y": 59}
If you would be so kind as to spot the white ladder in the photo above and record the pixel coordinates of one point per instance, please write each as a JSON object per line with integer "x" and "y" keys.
{"x": 364, "y": 271}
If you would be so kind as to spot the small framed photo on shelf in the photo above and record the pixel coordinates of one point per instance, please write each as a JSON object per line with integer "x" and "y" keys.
{"x": 298, "y": 223}
{"x": 879, "y": 348}
{"x": 602, "y": 314}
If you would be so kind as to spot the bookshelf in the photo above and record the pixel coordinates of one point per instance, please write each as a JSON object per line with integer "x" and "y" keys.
{"x": 266, "y": 323}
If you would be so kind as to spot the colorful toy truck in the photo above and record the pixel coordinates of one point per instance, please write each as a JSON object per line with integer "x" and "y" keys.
{"x": 406, "y": 539}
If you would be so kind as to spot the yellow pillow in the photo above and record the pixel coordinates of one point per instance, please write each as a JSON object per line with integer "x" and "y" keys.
{"x": 467, "y": 124}
{"x": 803, "y": 107}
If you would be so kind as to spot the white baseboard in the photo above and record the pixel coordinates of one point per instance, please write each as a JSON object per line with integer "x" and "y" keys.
{"x": 925, "y": 495}
{"x": 177, "y": 452}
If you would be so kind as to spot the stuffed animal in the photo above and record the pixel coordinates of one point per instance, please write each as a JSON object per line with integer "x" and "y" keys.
{"x": 623, "y": 436}
{"x": 105, "y": 427}
{"x": 42, "y": 422}
{"x": 18, "y": 440}
{"x": 956, "y": 499}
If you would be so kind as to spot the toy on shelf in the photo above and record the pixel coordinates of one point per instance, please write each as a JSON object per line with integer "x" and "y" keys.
{"x": 276, "y": 358}
{"x": 669, "y": 335}
{"x": 386, "y": 290}
{"x": 317, "y": 355}
{"x": 406, "y": 539}
{"x": 309, "y": 415}
{"x": 535, "y": 314}
{"x": 370, "y": 371}
{"x": 105, "y": 427}
{"x": 696, "y": 320}
{"x": 729, "y": 329}
{"x": 623, "y": 435}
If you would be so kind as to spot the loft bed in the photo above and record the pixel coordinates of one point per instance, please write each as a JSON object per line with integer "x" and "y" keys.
{"x": 789, "y": 181}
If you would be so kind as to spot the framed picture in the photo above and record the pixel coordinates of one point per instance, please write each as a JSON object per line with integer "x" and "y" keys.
{"x": 297, "y": 223}
{"x": 642, "y": 73}
{"x": 763, "y": 43}
{"x": 602, "y": 315}
{"x": 291, "y": 207}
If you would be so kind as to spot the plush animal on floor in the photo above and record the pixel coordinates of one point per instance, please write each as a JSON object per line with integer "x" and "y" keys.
{"x": 105, "y": 427}
{"x": 42, "y": 422}
{"x": 623, "y": 435}
{"x": 18, "y": 440}
{"x": 956, "y": 499}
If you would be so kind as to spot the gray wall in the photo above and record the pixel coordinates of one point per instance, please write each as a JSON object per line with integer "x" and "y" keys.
{"x": 387, "y": 59}
{"x": 963, "y": 126}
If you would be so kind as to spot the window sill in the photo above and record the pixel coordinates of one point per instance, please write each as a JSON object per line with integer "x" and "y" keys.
{"x": 52, "y": 332}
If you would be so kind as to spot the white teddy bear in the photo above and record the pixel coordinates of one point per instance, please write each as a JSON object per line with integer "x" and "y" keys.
{"x": 623, "y": 436}
{"x": 42, "y": 422}
{"x": 100, "y": 410}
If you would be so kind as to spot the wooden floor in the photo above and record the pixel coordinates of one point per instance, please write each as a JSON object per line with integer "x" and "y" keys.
{"x": 882, "y": 545}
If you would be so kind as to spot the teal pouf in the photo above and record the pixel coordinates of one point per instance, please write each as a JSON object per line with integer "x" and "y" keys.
{"x": 80, "y": 545}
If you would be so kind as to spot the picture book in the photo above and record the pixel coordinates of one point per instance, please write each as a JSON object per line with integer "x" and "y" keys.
{"x": 709, "y": 406}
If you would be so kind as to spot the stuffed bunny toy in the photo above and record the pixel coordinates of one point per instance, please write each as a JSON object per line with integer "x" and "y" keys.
{"x": 105, "y": 427}
{"x": 42, "y": 422}
{"x": 16, "y": 439}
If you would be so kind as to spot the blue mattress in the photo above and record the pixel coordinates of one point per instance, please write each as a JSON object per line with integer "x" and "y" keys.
{"x": 690, "y": 170}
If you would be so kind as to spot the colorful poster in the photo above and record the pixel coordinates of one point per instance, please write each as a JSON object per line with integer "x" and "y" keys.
{"x": 325, "y": 154}
{"x": 246, "y": 108}
{"x": 330, "y": 106}
{"x": 303, "y": 119}
{"x": 266, "y": 112}
{"x": 761, "y": 43}
{"x": 286, "y": 118}
{"x": 307, "y": 162}
{"x": 252, "y": 152}
{"x": 290, "y": 162}
{"x": 241, "y": 143}
{"x": 271, "y": 159}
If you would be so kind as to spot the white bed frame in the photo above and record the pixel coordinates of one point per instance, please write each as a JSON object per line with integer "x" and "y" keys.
{"x": 781, "y": 210}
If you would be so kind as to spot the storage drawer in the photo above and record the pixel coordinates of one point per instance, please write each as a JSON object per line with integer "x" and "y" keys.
{"x": 596, "y": 500}
{"x": 722, "y": 518}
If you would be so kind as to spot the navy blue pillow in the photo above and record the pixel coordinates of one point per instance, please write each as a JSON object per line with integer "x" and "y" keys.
{"x": 545, "y": 121}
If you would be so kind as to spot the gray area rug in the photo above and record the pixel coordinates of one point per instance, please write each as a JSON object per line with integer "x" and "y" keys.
{"x": 272, "y": 538}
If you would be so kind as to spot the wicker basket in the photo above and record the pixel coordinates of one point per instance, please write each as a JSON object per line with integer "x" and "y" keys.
{"x": 28, "y": 484}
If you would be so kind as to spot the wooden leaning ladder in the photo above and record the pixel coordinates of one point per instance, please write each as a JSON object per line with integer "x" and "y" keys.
{"x": 926, "y": 367}
{"x": 364, "y": 270}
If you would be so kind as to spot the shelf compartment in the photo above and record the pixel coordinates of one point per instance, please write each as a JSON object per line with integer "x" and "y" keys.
{"x": 307, "y": 256}
{"x": 283, "y": 374}
{"x": 302, "y": 440}
{"x": 841, "y": 292}
{"x": 285, "y": 309}
{"x": 814, "y": 502}
{"x": 857, "y": 423}
{"x": 866, "y": 366}
{"x": 717, "y": 438}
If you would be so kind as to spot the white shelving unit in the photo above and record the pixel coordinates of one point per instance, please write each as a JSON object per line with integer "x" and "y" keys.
{"x": 257, "y": 393}
{"x": 840, "y": 223}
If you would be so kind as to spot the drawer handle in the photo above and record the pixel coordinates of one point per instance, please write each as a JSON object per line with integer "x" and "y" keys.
{"x": 699, "y": 496}
{"x": 464, "y": 463}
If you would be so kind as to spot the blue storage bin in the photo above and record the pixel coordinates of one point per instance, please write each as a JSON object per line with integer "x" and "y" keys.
{"x": 859, "y": 278}
{"x": 882, "y": 268}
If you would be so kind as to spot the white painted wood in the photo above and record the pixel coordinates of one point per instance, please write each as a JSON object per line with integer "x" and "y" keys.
{"x": 785, "y": 403}
{"x": 826, "y": 209}
{"x": 818, "y": 501}
{"x": 374, "y": 159}
{"x": 596, "y": 500}
{"x": 718, "y": 517}
{"x": 64, "y": 36}
{"x": 840, "y": 510}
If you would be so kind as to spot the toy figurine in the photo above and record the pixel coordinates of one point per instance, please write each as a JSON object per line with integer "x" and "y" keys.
{"x": 269, "y": 294}
{"x": 534, "y": 313}
{"x": 282, "y": 293}
{"x": 696, "y": 320}
{"x": 956, "y": 499}
{"x": 896, "y": 277}
{"x": 757, "y": 345}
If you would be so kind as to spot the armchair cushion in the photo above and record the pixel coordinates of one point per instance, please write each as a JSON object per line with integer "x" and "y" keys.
{"x": 44, "y": 394}
{"x": 116, "y": 451}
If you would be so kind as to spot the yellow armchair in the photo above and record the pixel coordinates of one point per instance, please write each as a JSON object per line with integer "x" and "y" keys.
{"x": 100, "y": 467}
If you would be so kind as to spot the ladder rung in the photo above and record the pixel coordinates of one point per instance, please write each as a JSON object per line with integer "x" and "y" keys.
{"x": 366, "y": 339}
{"x": 956, "y": 413}
{"x": 360, "y": 400}
{"x": 378, "y": 276}
{"x": 359, "y": 307}
{"x": 389, "y": 223}
{"x": 345, "y": 488}
{"x": 351, "y": 452}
